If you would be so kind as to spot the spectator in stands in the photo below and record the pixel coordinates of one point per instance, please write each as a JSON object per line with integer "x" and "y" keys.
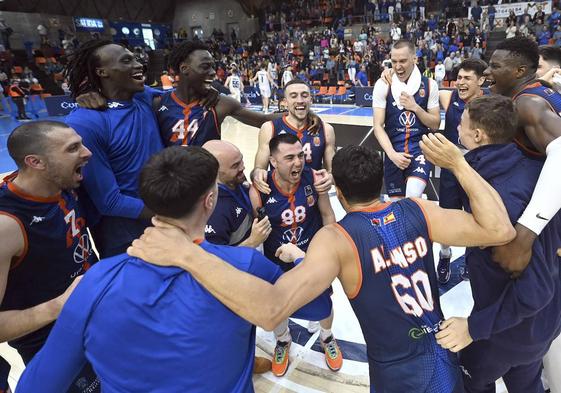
{"x": 511, "y": 30}
{"x": 42, "y": 30}
{"x": 557, "y": 36}
{"x": 550, "y": 57}
{"x": 476, "y": 52}
{"x": 395, "y": 32}
{"x": 476, "y": 13}
{"x": 539, "y": 16}
{"x": 543, "y": 36}
{"x": 5, "y": 32}
{"x": 449, "y": 65}
{"x": 18, "y": 96}
{"x": 439, "y": 73}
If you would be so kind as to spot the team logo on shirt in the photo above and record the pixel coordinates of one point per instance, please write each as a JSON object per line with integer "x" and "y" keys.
{"x": 292, "y": 235}
{"x": 83, "y": 249}
{"x": 407, "y": 119}
{"x": 422, "y": 93}
{"x": 311, "y": 200}
{"x": 317, "y": 141}
{"x": 308, "y": 190}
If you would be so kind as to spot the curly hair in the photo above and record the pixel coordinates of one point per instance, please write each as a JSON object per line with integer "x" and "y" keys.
{"x": 181, "y": 52}
{"x": 522, "y": 48}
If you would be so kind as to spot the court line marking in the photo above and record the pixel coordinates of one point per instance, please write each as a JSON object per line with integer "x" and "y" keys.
{"x": 367, "y": 135}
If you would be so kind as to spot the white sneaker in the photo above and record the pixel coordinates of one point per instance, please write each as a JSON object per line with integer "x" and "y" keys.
{"x": 313, "y": 327}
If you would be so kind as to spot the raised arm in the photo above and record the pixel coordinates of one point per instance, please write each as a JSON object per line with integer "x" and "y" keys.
{"x": 231, "y": 107}
{"x": 250, "y": 297}
{"x": 542, "y": 126}
{"x": 326, "y": 210}
{"x": 488, "y": 225}
{"x": 259, "y": 172}
{"x": 18, "y": 323}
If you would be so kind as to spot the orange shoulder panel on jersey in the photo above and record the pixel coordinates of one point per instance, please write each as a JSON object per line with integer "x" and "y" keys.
{"x": 356, "y": 290}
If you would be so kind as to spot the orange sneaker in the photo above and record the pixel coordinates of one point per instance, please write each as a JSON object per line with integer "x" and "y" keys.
{"x": 261, "y": 365}
{"x": 333, "y": 355}
{"x": 280, "y": 358}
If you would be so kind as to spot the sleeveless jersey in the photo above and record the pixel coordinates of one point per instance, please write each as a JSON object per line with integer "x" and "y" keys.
{"x": 186, "y": 125}
{"x": 295, "y": 217}
{"x": 454, "y": 116}
{"x": 57, "y": 250}
{"x": 402, "y": 126}
{"x": 397, "y": 303}
{"x": 235, "y": 84}
{"x": 263, "y": 80}
{"x": 313, "y": 146}
{"x": 551, "y": 96}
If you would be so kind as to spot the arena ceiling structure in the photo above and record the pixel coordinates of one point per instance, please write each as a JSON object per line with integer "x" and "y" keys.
{"x": 160, "y": 11}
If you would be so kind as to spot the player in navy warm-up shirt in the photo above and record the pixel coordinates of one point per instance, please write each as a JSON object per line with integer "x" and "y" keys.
{"x": 380, "y": 253}
{"x": 44, "y": 243}
{"x": 319, "y": 147}
{"x": 232, "y": 221}
{"x": 468, "y": 86}
{"x": 513, "y": 322}
{"x": 403, "y": 113}
{"x": 165, "y": 331}
{"x": 121, "y": 139}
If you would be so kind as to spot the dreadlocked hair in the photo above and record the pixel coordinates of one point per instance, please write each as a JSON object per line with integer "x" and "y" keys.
{"x": 80, "y": 70}
{"x": 181, "y": 52}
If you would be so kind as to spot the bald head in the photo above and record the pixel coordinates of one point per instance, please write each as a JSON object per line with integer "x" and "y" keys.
{"x": 230, "y": 159}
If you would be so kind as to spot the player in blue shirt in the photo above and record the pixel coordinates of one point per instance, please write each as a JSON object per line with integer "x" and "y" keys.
{"x": 44, "y": 243}
{"x": 319, "y": 147}
{"x": 468, "y": 86}
{"x": 382, "y": 256}
{"x": 403, "y": 113}
{"x": 121, "y": 139}
{"x": 296, "y": 211}
{"x": 165, "y": 331}
{"x": 513, "y": 322}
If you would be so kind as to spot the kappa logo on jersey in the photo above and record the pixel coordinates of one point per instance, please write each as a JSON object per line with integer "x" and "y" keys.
{"x": 238, "y": 211}
{"x": 282, "y": 132}
{"x": 407, "y": 119}
{"x": 163, "y": 108}
{"x": 113, "y": 105}
{"x": 292, "y": 235}
{"x": 209, "y": 229}
{"x": 420, "y": 170}
{"x": 36, "y": 220}
{"x": 271, "y": 200}
{"x": 456, "y": 104}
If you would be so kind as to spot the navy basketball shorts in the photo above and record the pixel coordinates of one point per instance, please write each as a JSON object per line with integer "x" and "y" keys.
{"x": 449, "y": 193}
{"x": 395, "y": 179}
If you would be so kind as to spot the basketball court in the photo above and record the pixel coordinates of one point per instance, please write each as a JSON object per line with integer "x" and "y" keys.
{"x": 308, "y": 372}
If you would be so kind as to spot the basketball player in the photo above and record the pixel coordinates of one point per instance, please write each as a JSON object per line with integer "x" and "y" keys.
{"x": 274, "y": 76}
{"x": 265, "y": 83}
{"x": 182, "y": 119}
{"x": 296, "y": 211}
{"x": 287, "y": 76}
{"x": 382, "y": 254}
{"x": 403, "y": 113}
{"x": 550, "y": 57}
{"x": 121, "y": 138}
{"x": 319, "y": 147}
{"x": 234, "y": 83}
{"x": 468, "y": 86}
{"x": 44, "y": 244}
{"x": 511, "y": 72}
{"x": 165, "y": 332}
{"x": 231, "y": 222}
{"x": 513, "y": 322}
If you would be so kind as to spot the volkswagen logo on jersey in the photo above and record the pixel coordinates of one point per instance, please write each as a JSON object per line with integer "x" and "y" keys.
{"x": 407, "y": 119}
{"x": 82, "y": 250}
{"x": 292, "y": 235}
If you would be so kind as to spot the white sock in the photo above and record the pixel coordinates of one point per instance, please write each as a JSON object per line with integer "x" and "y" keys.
{"x": 414, "y": 187}
{"x": 282, "y": 332}
{"x": 324, "y": 334}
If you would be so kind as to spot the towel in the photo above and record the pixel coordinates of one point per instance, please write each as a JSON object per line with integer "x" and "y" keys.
{"x": 411, "y": 87}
